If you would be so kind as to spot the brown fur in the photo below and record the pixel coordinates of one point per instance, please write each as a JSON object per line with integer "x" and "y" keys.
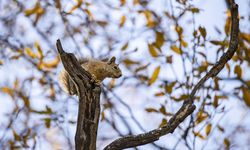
{"x": 98, "y": 69}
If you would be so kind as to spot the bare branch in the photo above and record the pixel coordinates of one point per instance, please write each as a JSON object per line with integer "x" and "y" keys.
{"x": 188, "y": 107}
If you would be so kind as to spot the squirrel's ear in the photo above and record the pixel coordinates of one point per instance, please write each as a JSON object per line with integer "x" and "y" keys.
{"x": 112, "y": 60}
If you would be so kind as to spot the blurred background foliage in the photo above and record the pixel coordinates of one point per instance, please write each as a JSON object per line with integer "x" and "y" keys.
{"x": 163, "y": 46}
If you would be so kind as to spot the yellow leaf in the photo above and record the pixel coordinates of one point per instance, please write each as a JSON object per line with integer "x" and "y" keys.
{"x": 159, "y": 94}
{"x": 159, "y": 41}
{"x": 150, "y": 21}
{"x": 238, "y": 71}
{"x": 198, "y": 135}
{"x": 245, "y": 36}
{"x": 152, "y": 50}
{"x": 201, "y": 117}
{"x": 169, "y": 87}
{"x": 51, "y": 64}
{"x": 123, "y": 2}
{"x": 151, "y": 110}
{"x": 37, "y": 9}
{"x": 108, "y": 105}
{"x": 163, "y": 110}
{"x": 141, "y": 68}
{"x": 129, "y": 62}
{"x": 143, "y": 78}
{"x": 203, "y": 32}
{"x": 179, "y": 30}
{"x": 47, "y": 122}
{"x": 195, "y": 10}
{"x": 39, "y": 49}
{"x": 163, "y": 122}
{"x": 221, "y": 43}
{"x": 216, "y": 83}
{"x": 16, "y": 136}
{"x": 102, "y": 116}
{"x": 1, "y": 62}
{"x": 183, "y": 43}
{"x": 122, "y": 21}
{"x": 228, "y": 68}
{"x": 181, "y": 98}
{"x": 79, "y": 3}
{"x": 176, "y": 49}
{"x": 16, "y": 84}
{"x": 102, "y": 23}
{"x": 227, "y": 26}
{"x": 154, "y": 75}
{"x": 195, "y": 33}
{"x": 248, "y": 82}
{"x": 246, "y": 96}
{"x": 125, "y": 46}
{"x": 25, "y": 100}
{"x": 30, "y": 53}
{"x": 29, "y": 12}
{"x": 227, "y": 143}
{"x": 52, "y": 92}
{"x": 90, "y": 15}
{"x": 208, "y": 129}
{"x": 7, "y": 90}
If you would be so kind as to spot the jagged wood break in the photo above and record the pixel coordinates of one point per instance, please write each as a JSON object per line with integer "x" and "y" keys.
{"x": 89, "y": 101}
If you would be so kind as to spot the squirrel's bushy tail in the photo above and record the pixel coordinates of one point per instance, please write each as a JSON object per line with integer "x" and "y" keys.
{"x": 66, "y": 83}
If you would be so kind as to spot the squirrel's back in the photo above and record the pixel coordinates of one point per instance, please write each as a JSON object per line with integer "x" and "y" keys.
{"x": 98, "y": 69}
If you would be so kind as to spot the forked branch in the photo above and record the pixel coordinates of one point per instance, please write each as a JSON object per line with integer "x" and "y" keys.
{"x": 188, "y": 107}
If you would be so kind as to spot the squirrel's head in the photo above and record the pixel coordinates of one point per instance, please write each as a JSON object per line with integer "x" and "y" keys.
{"x": 114, "y": 70}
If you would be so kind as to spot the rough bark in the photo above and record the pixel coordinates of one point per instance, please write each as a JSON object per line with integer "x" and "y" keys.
{"x": 89, "y": 101}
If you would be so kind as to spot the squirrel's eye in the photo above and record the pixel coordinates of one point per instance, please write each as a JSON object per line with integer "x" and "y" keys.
{"x": 115, "y": 67}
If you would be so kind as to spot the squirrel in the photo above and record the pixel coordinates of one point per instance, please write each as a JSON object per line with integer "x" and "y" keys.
{"x": 98, "y": 69}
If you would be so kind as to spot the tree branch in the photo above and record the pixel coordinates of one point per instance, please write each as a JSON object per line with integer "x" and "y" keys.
{"x": 89, "y": 101}
{"x": 188, "y": 107}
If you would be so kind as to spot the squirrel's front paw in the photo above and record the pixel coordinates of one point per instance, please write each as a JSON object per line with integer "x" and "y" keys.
{"x": 95, "y": 80}
{"x": 98, "y": 83}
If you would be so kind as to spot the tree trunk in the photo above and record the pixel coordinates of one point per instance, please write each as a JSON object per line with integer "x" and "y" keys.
{"x": 89, "y": 101}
